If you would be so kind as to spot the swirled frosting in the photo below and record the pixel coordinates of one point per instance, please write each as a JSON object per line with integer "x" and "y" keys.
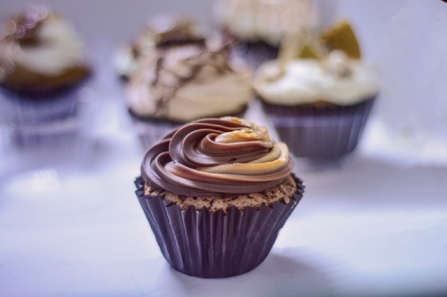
{"x": 336, "y": 79}
{"x": 37, "y": 47}
{"x": 161, "y": 30}
{"x": 265, "y": 20}
{"x": 184, "y": 77}
{"x": 216, "y": 156}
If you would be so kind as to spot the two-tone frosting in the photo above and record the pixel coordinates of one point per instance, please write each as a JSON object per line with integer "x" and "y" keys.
{"x": 38, "y": 46}
{"x": 335, "y": 79}
{"x": 265, "y": 20}
{"x": 216, "y": 156}
{"x": 184, "y": 77}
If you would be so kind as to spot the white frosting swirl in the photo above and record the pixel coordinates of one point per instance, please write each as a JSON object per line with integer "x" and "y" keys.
{"x": 337, "y": 79}
{"x": 59, "y": 49}
{"x": 265, "y": 20}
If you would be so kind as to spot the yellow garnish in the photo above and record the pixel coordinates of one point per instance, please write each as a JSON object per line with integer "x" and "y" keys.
{"x": 307, "y": 53}
{"x": 342, "y": 37}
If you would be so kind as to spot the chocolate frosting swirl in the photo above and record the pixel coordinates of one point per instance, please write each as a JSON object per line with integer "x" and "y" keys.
{"x": 215, "y": 156}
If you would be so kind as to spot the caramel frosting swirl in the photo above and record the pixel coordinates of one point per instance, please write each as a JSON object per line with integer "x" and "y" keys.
{"x": 216, "y": 156}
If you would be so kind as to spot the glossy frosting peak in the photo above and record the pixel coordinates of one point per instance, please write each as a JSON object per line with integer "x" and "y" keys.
{"x": 216, "y": 156}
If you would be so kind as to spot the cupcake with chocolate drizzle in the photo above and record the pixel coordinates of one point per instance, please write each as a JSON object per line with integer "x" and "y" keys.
{"x": 183, "y": 77}
{"x": 216, "y": 192}
{"x": 42, "y": 69}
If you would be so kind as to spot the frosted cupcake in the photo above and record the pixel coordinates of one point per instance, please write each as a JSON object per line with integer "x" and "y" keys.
{"x": 258, "y": 26}
{"x": 318, "y": 105}
{"x": 216, "y": 192}
{"x": 42, "y": 67}
{"x": 184, "y": 78}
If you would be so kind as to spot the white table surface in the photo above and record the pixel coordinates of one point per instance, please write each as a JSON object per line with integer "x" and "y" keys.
{"x": 376, "y": 225}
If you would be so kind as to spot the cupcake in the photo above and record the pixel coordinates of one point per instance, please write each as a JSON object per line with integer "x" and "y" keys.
{"x": 258, "y": 26}
{"x": 184, "y": 77}
{"x": 318, "y": 94}
{"x": 216, "y": 193}
{"x": 42, "y": 69}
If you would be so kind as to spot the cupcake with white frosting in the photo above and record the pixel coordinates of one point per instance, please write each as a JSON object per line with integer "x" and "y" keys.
{"x": 184, "y": 78}
{"x": 42, "y": 69}
{"x": 319, "y": 105}
{"x": 258, "y": 26}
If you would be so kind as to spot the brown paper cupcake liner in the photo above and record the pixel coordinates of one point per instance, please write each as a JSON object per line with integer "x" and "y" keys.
{"x": 215, "y": 245}
{"x": 327, "y": 132}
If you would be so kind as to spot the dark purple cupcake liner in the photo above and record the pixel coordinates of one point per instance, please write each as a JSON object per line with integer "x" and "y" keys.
{"x": 215, "y": 245}
{"x": 255, "y": 53}
{"x": 328, "y": 132}
{"x": 20, "y": 109}
{"x": 47, "y": 122}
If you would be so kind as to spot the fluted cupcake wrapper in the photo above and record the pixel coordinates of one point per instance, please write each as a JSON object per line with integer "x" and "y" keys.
{"x": 215, "y": 245}
{"x": 46, "y": 122}
{"x": 327, "y": 132}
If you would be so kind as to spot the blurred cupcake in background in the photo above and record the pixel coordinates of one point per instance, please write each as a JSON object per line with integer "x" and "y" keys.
{"x": 258, "y": 26}
{"x": 42, "y": 70}
{"x": 318, "y": 93}
{"x": 185, "y": 76}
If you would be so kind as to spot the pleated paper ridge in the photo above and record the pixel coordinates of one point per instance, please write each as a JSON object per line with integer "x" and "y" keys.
{"x": 215, "y": 245}
{"x": 328, "y": 132}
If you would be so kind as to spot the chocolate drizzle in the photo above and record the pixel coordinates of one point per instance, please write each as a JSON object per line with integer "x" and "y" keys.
{"x": 176, "y": 42}
{"x": 214, "y": 157}
{"x": 206, "y": 57}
